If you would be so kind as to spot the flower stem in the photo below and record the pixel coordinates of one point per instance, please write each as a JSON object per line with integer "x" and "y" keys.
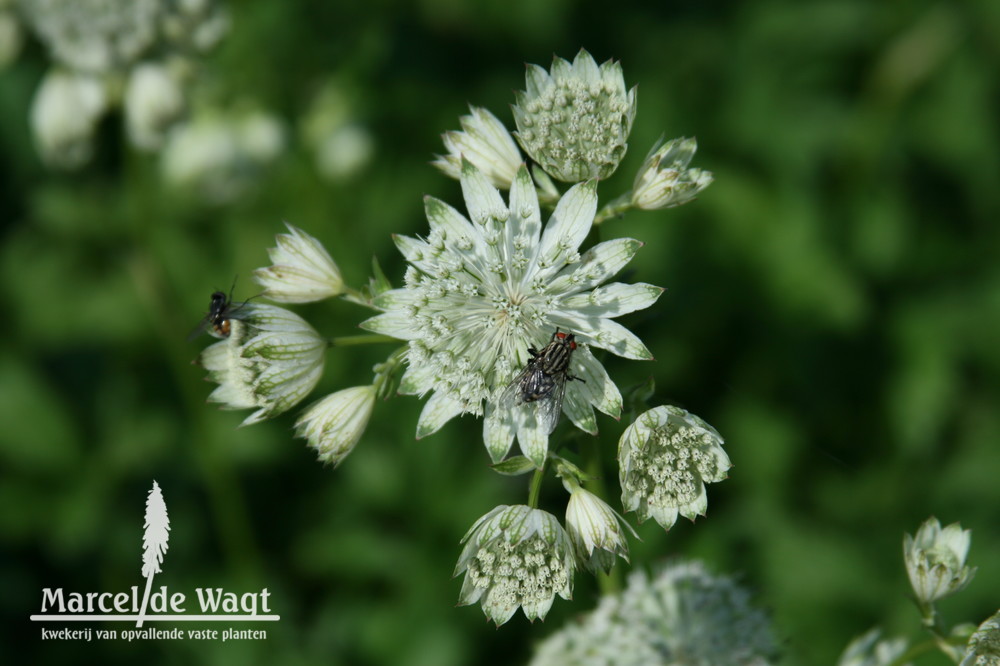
{"x": 615, "y": 208}
{"x": 536, "y": 487}
{"x": 365, "y": 339}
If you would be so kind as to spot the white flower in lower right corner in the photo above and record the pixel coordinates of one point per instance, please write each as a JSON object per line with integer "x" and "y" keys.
{"x": 334, "y": 425}
{"x": 516, "y": 556}
{"x": 665, "y": 459}
{"x": 595, "y": 530}
{"x": 935, "y": 560}
{"x": 984, "y": 645}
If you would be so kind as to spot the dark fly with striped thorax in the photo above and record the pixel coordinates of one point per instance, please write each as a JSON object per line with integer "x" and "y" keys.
{"x": 221, "y": 310}
{"x": 543, "y": 380}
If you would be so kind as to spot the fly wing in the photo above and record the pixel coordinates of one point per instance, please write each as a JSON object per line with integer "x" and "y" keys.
{"x": 200, "y": 328}
{"x": 549, "y": 408}
{"x": 512, "y": 395}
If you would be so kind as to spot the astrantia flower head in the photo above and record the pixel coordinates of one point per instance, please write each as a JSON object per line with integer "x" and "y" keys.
{"x": 575, "y": 121}
{"x": 271, "y": 360}
{"x": 334, "y": 425}
{"x": 595, "y": 530}
{"x": 868, "y": 650}
{"x": 665, "y": 459}
{"x": 484, "y": 142}
{"x": 301, "y": 270}
{"x": 64, "y": 115}
{"x": 683, "y": 615}
{"x": 664, "y": 181}
{"x": 935, "y": 560}
{"x": 516, "y": 556}
{"x": 478, "y": 294}
{"x": 153, "y": 103}
{"x": 984, "y": 645}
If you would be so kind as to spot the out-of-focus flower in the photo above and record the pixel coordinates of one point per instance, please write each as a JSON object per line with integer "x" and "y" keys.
{"x": 935, "y": 560}
{"x": 219, "y": 155}
{"x": 301, "y": 270}
{"x": 478, "y": 294}
{"x": 665, "y": 459}
{"x": 486, "y": 144}
{"x": 683, "y": 615}
{"x": 868, "y": 650}
{"x": 595, "y": 530}
{"x": 984, "y": 645}
{"x": 516, "y": 556}
{"x": 343, "y": 146}
{"x": 64, "y": 115}
{"x": 271, "y": 360}
{"x": 153, "y": 103}
{"x": 575, "y": 121}
{"x": 664, "y": 181}
{"x": 334, "y": 425}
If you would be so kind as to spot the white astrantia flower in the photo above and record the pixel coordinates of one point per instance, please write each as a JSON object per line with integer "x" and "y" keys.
{"x": 575, "y": 121}
{"x": 516, "y": 556}
{"x": 95, "y": 35}
{"x": 935, "y": 560}
{"x": 596, "y": 531}
{"x": 153, "y": 103}
{"x": 665, "y": 459}
{"x": 484, "y": 142}
{"x": 64, "y": 115}
{"x": 984, "y": 645}
{"x": 301, "y": 270}
{"x": 271, "y": 360}
{"x": 664, "y": 181}
{"x": 478, "y": 294}
{"x": 868, "y": 650}
{"x": 682, "y": 615}
{"x": 334, "y": 425}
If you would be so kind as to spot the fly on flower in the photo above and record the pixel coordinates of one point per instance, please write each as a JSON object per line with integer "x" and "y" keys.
{"x": 221, "y": 310}
{"x": 543, "y": 380}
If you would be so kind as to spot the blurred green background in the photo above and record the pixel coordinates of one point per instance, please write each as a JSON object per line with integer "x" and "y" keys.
{"x": 833, "y": 306}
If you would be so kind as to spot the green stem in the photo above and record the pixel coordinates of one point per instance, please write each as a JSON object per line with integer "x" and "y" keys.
{"x": 614, "y": 208}
{"x": 364, "y": 339}
{"x": 536, "y": 487}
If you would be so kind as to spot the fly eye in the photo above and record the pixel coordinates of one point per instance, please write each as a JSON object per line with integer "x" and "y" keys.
{"x": 572, "y": 346}
{"x": 561, "y": 336}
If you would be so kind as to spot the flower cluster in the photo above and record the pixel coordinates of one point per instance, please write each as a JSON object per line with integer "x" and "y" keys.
{"x": 665, "y": 459}
{"x": 133, "y": 53}
{"x": 682, "y": 615}
{"x": 516, "y": 556}
{"x": 479, "y": 293}
{"x": 507, "y": 311}
{"x": 935, "y": 560}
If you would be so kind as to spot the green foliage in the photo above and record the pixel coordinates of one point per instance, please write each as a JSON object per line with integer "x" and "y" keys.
{"x": 831, "y": 308}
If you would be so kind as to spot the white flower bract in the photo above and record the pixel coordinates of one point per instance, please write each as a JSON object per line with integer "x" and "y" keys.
{"x": 334, "y": 425}
{"x": 575, "y": 121}
{"x": 664, "y": 181}
{"x": 665, "y": 459}
{"x": 595, "y": 530}
{"x": 484, "y": 142}
{"x": 271, "y": 360}
{"x": 301, "y": 270}
{"x": 935, "y": 560}
{"x": 516, "y": 556}
{"x": 478, "y": 294}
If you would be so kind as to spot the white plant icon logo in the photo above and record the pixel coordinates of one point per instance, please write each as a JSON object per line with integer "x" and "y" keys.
{"x": 154, "y": 542}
